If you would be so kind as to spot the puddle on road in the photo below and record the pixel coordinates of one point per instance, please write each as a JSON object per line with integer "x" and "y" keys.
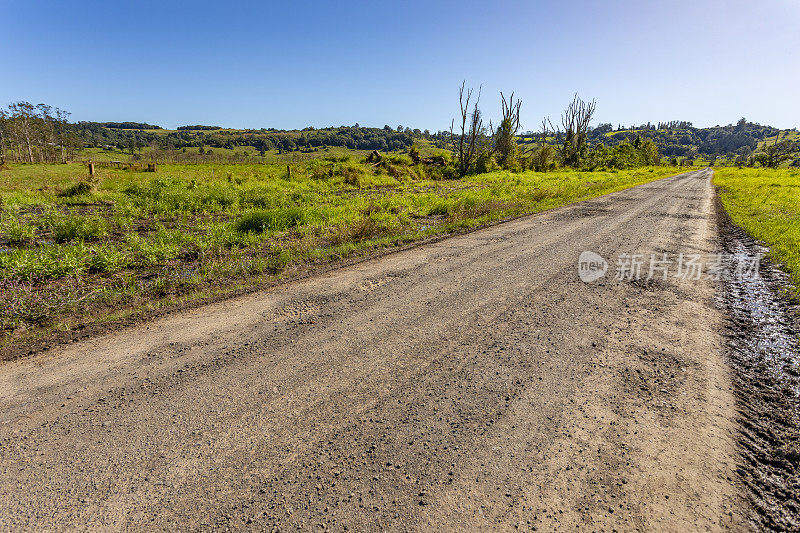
{"x": 766, "y": 321}
{"x": 765, "y": 355}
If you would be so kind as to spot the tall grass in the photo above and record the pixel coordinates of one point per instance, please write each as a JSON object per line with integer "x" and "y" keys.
{"x": 766, "y": 204}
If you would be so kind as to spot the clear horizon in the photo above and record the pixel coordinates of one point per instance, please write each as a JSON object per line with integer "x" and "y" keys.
{"x": 258, "y": 65}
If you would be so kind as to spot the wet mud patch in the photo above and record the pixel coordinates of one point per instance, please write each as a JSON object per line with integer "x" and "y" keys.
{"x": 764, "y": 352}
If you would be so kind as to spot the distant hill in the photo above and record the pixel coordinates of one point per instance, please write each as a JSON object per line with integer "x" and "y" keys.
{"x": 130, "y": 126}
{"x": 198, "y": 127}
{"x": 675, "y": 139}
{"x": 354, "y": 137}
{"x": 682, "y": 139}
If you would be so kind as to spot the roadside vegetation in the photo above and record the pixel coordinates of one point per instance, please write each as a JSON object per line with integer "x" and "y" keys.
{"x": 766, "y": 204}
{"x": 40, "y": 133}
{"x": 75, "y": 251}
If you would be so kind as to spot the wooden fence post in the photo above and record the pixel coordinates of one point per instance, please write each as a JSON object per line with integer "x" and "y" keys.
{"x": 91, "y": 168}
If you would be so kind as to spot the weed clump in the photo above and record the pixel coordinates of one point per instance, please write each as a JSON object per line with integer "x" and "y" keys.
{"x": 270, "y": 220}
{"x": 73, "y": 228}
{"x": 352, "y": 174}
{"x": 17, "y": 232}
{"x": 81, "y": 188}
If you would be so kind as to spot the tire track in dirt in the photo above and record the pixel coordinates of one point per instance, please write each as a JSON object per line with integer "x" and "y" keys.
{"x": 471, "y": 383}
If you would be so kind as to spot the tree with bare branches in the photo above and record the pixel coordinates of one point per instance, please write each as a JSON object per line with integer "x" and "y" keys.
{"x": 542, "y": 156}
{"x": 575, "y": 121}
{"x": 35, "y": 134}
{"x": 772, "y": 155}
{"x": 505, "y": 142}
{"x": 465, "y": 143}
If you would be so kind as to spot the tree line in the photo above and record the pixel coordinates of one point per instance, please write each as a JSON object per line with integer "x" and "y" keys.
{"x": 35, "y": 134}
{"x": 40, "y": 133}
{"x": 681, "y": 139}
{"x": 478, "y": 147}
{"x": 130, "y": 126}
{"x": 307, "y": 139}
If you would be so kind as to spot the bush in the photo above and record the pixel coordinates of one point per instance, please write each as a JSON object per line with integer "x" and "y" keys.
{"x": 485, "y": 163}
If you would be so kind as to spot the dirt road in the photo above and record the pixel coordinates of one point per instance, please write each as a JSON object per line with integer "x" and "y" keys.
{"x": 474, "y": 382}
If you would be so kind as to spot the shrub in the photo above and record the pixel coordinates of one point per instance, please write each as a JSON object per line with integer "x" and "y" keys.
{"x": 485, "y": 162}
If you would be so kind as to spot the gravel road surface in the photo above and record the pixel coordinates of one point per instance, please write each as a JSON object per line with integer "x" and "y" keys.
{"x": 475, "y": 382}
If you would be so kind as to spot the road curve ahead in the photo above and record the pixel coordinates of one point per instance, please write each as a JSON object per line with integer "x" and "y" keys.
{"x": 472, "y": 383}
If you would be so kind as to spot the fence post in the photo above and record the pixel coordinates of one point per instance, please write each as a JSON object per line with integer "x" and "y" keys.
{"x": 91, "y": 168}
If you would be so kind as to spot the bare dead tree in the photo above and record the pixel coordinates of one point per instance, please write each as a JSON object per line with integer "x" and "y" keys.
{"x": 547, "y": 128}
{"x": 3, "y": 126}
{"x": 505, "y": 144}
{"x": 23, "y": 116}
{"x": 465, "y": 144}
{"x": 511, "y": 111}
{"x": 776, "y": 153}
{"x": 575, "y": 121}
{"x": 62, "y": 118}
{"x": 541, "y": 156}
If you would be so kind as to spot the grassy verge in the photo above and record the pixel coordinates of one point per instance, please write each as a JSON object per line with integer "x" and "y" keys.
{"x": 75, "y": 253}
{"x": 766, "y": 204}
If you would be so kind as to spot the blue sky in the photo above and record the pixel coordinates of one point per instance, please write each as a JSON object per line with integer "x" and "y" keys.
{"x": 297, "y": 63}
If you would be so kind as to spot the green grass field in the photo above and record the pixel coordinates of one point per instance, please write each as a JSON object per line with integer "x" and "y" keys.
{"x": 240, "y": 154}
{"x": 73, "y": 252}
{"x": 211, "y": 153}
{"x": 766, "y": 204}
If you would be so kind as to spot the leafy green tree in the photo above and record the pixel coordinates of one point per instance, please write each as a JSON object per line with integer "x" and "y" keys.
{"x": 649, "y": 152}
